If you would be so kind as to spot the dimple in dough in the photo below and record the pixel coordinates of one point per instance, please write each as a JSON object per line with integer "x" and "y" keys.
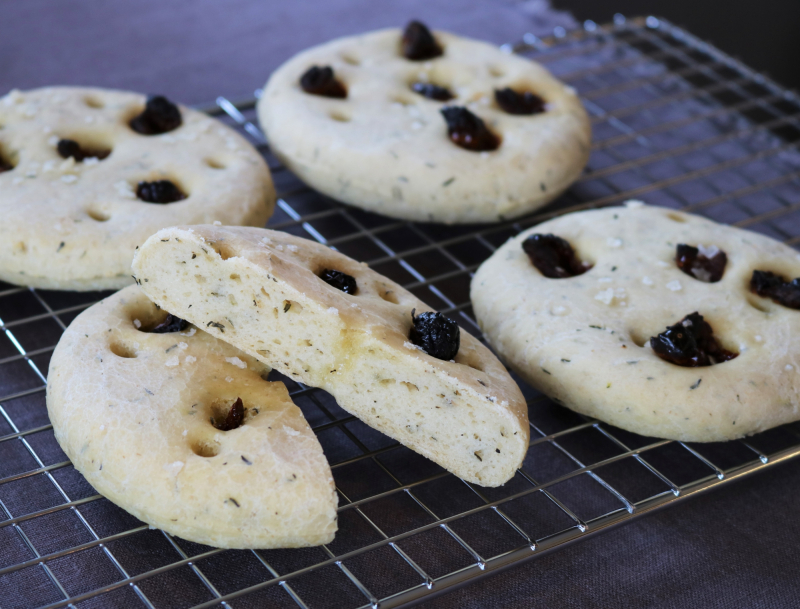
{"x": 584, "y": 340}
{"x": 75, "y": 226}
{"x": 132, "y": 411}
{"x": 386, "y": 148}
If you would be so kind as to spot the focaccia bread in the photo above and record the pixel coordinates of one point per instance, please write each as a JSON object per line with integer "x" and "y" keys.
{"x": 152, "y": 421}
{"x": 71, "y": 164}
{"x": 261, "y": 291}
{"x": 386, "y": 147}
{"x": 620, "y": 341}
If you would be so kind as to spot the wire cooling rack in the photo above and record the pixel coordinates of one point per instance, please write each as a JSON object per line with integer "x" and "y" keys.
{"x": 676, "y": 123}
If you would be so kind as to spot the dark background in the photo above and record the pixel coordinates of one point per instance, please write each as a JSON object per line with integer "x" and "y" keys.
{"x": 765, "y": 34}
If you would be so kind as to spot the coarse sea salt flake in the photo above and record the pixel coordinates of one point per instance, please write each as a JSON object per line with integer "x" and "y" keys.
{"x": 634, "y": 203}
{"x": 137, "y": 324}
{"x": 92, "y": 160}
{"x": 191, "y": 332}
{"x": 174, "y": 468}
{"x": 614, "y": 242}
{"x": 606, "y": 296}
{"x": 292, "y": 248}
{"x": 333, "y": 310}
{"x": 788, "y": 367}
{"x": 190, "y": 359}
{"x": 173, "y": 361}
{"x": 674, "y": 285}
{"x": 182, "y": 345}
{"x": 217, "y": 223}
{"x": 124, "y": 189}
{"x": 69, "y": 179}
{"x": 646, "y": 280}
{"x": 409, "y": 345}
{"x": 708, "y": 252}
{"x": 53, "y": 140}
{"x": 236, "y": 362}
{"x": 228, "y": 379}
{"x": 290, "y": 431}
{"x": 605, "y": 280}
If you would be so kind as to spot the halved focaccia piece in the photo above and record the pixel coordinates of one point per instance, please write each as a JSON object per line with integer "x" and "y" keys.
{"x": 181, "y": 430}
{"x": 261, "y": 291}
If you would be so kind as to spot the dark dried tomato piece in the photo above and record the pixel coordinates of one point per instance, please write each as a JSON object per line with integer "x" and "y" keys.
{"x": 468, "y": 131}
{"x": 160, "y": 191}
{"x": 706, "y": 264}
{"x": 770, "y": 285}
{"x": 690, "y": 343}
{"x": 171, "y": 323}
{"x": 321, "y": 81}
{"x": 340, "y": 281}
{"x": 518, "y": 103}
{"x": 437, "y": 335}
{"x": 553, "y": 256}
{"x": 71, "y": 148}
{"x": 432, "y": 91}
{"x": 159, "y": 116}
{"x": 419, "y": 43}
{"x": 234, "y": 418}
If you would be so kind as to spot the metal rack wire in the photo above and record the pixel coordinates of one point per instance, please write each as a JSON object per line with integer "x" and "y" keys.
{"x": 676, "y": 123}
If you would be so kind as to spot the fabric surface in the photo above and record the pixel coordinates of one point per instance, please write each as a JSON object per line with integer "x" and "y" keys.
{"x": 195, "y": 51}
{"x": 736, "y": 547}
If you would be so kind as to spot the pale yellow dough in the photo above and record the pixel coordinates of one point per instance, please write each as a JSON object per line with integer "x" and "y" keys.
{"x": 385, "y": 148}
{"x": 132, "y": 411}
{"x": 259, "y": 290}
{"x": 74, "y": 226}
{"x": 584, "y": 340}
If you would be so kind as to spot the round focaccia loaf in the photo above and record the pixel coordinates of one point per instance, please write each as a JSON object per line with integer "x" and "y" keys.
{"x": 385, "y": 148}
{"x": 585, "y": 340}
{"x": 74, "y": 225}
{"x": 135, "y": 413}
{"x": 259, "y": 290}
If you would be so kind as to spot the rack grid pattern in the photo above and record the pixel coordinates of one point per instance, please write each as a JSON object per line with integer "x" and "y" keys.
{"x": 676, "y": 123}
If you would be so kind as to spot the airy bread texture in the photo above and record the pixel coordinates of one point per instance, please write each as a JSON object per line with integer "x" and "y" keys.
{"x": 74, "y": 226}
{"x": 386, "y": 148}
{"x": 133, "y": 412}
{"x": 260, "y": 291}
{"x": 585, "y": 340}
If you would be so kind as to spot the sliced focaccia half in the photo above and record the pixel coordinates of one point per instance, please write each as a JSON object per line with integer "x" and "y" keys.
{"x": 181, "y": 430}
{"x": 331, "y": 322}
